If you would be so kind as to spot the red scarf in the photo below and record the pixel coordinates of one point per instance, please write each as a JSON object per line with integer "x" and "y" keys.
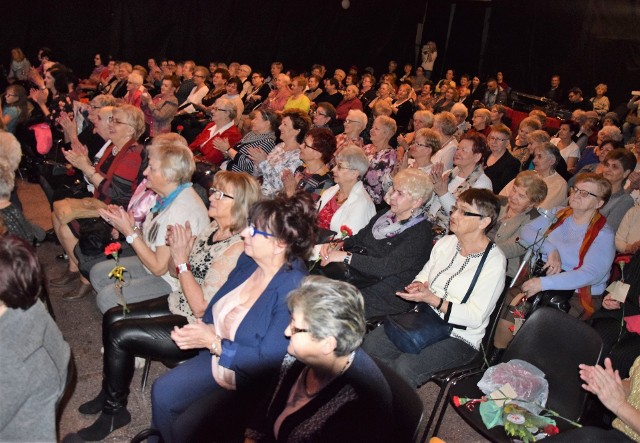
{"x": 595, "y": 225}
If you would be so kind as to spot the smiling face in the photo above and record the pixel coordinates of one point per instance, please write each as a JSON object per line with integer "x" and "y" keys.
{"x": 287, "y": 132}
{"x": 219, "y": 209}
{"x": 614, "y": 172}
{"x": 155, "y": 179}
{"x": 464, "y": 156}
{"x": 321, "y": 118}
{"x": 401, "y": 202}
{"x": 49, "y": 80}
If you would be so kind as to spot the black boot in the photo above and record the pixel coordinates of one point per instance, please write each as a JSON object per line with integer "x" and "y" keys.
{"x": 495, "y": 356}
{"x": 94, "y": 406}
{"x": 105, "y": 425}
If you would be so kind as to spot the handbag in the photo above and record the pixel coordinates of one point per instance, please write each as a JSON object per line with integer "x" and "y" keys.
{"x": 421, "y": 327}
{"x": 346, "y": 273}
{"x": 75, "y": 208}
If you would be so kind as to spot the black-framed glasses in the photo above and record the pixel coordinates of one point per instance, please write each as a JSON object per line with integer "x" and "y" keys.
{"x": 583, "y": 192}
{"x": 200, "y": 76}
{"x": 307, "y": 146}
{"x": 455, "y": 208}
{"x": 295, "y": 330}
{"x": 496, "y": 139}
{"x": 218, "y": 194}
{"x": 320, "y": 113}
{"x": 253, "y": 231}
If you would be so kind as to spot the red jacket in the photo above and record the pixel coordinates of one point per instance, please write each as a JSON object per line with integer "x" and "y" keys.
{"x": 208, "y": 151}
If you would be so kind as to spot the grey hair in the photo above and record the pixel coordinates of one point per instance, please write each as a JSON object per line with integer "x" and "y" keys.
{"x": 10, "y": 149}
{"x": 176, "y": 159}
{"x": 611, "y": 133}
{"x": 355, "y": 158}
{"x": 103, "y": 100}
{"x": 424, "y": 116}
{"x": 446, "y": 123}
{"x": 7, "y": 178}
{"x": 229, "y": 106}
{"x": 416, "y": 181}
{"x": 459, "y": 107}
{"x": 359, "y": 116}
{"x": 331, "y": 308}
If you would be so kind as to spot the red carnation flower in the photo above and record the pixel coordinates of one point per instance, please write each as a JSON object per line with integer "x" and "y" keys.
{"x": 346, "y": 231}
{"x": 551, "y": 430}
{"x": 112, "y": 248}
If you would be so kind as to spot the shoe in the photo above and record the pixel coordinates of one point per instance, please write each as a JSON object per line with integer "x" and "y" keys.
{"x": 94, "y": 406}
{"x": 65, "y": 279}
{"x": 78, "y": 293}
{"x": 105, "y": 425}
{"x": 145, "y": 434}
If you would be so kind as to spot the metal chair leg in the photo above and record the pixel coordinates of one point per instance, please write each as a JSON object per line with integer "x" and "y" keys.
{"x": 145, "y": 373}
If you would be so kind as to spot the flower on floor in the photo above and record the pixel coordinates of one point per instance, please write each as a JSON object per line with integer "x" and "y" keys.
{"x": 117, "y": 272}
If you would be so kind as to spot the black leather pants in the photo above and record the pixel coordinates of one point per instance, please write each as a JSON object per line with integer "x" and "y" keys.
{"x": 144, "y": 331}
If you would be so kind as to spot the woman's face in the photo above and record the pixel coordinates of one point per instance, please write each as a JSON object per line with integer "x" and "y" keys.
{"x": 464, "y": 82}
{"x": 464, "y": 156}
{"x": 97, "y": 60}
{"x": 603, "y": 150}
{"x": 400, "y": 201}
{"x": 302, "y": 345}
{"x": 49, "y": 80}
{"x": 460, "y": 117}
{"x": 449, "y": 94}
{"x": 379, "y": 135}
{"x": 232, "y": 88}
{"x": 155, "y": 180}
{"x": 119, "y": 127}
{"x": 167, "y": 87}
{"x": 519, "y": 201}
{"x": 287, "y": 132}
{"x": 614, "y": 172}
{"x": 352, "y": 126}
{"x": 221, "y": 208}
{"x": 565, "y": 132}
{"x": 600, "y": 90}
{"x": 383, "y": 90}
{"x": 584, "y": 196}
{"x": 220, "y": 114}
{"x": 479, "y": 122}
{"x": 543, "y": 161}
{"x": 307, "y": 152}
{"x": 132, "y": 86}
{"x": 449, "y": 75}
{"x": 260, "y": 247}
{"x": 418, "y": 149}
{"x": 523, "y": 132}
{"x": 476, "y": 82}
{"x": 259, "y": 125}
{"x": 343, "y": 174}
{"x": 498, "y": 142}
{"x": 199, "y": 78}
{"x": 495, "y": 115}
{"x": 102, "y": 124}
{"x": 320, "y": 117}
{"x": 459, "y": 223}
{"x": 348, "y": 81}
{"x": 10, "y": 96}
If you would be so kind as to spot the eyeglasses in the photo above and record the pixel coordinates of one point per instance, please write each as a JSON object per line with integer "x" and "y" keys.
{"x": 339, "y": 166}
{"x": 320, "y": 113}
{"x": 496, "y": 139}
{"x": 295, "y": 330}
{"x": 115, "y": 121}
{"x": 253, "y": 231}
{"x": 199, "y": 76}
{"x": 350, "y": 121}
{"x": 455, "y": 208}
{"x": 215, "y": 108}
{"x": 218, "y": 194}
{"x": 583, "y": 192}
{"x": 420, "y": 144}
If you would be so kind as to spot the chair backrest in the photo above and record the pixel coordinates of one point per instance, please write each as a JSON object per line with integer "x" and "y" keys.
{"x": 494, "y": 318}
{"x": 407, "y": 406}
{"x": 557, "y": 343}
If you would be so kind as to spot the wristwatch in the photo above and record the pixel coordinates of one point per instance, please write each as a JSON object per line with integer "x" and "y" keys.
{"x": 347, "y": 259}
{"x": 183, "y": 267}
{"x": 130, "y": 238}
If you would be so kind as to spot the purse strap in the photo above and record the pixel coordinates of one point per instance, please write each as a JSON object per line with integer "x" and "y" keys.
{"x": 477, "y": 274}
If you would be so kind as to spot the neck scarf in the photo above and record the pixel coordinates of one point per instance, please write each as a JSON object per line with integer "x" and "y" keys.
{"x": 163, "y": 202}
{"x": 388, "y": 225}
{"x": 595, "y": 225}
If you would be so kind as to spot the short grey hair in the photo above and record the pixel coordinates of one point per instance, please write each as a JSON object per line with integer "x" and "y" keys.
{"x": 416, "y": 181}
{"x": 133, "y": 116}
{"x": 425, "y": 117}
{"x": 7, "y": 178}
{"x": 103, "y": 100}
{"x": 136, "y": 78}
{"x": 10, "y": 149}
{"x": 355, "y": 158}
{"x": 539, "y": 136}
{"x": 611, "y": 133}
{"x": 229, "y": 106}
{"x": 176, "y": 160}
{"x": 446, "y": 123}
{"x": 388, "y": 124}
{"x": 359, "y": 116}
{"x": 459, "y": 107}
{"x": 331, "y": 308}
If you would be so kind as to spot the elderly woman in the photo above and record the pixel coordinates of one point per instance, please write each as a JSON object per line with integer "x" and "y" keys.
{"x": 609, "y": 138}
{"x": 446, "y": 102}
{"x": 545, "y": 159}
{"x": 34, "y": 355}
{"x": 134, "y": 90}
{"x": 421, "y": 119}
{"x": 346, "y": 203}
{"x": 500, "y": 166}
{"x": 168, "y": 175}
{"x": 618, "y": 164}
{"x": 499, "y": 115}
{"x": 114, "y": 178}
{"x": 382, "y": 158}
{"x": 466, "y": 174}
{"x": 442, "y": 285}
{"x": 146, "y": 329}
{"x": 384, "y": 94}
{"x": 332, "y": 312}
{"x": 578, "y": 247}
{"x": 324, "y": 116}
{"x": 313, "y": 176}
{"x": 568, "y": 148}
{"x": 208, "y": 147}
{"x": 460, "y": 112}
{"x": 160, "y": 110}
{"x": 240, "y": 339}
{"x": 521, "y": 147}
{"x": 354, "y": 124}
{"x": 285, "y": 156}
{"x": 600, "y": 102}
{"x": 396, "y": 242}
{"x": 198, "y": 92}
{"x": 481, "y": 121}
{"x": 264, "y": 125}
{"x": 426, "y": 143}
{"x": 446, "y": 125}
{"x": 278, "y": 97}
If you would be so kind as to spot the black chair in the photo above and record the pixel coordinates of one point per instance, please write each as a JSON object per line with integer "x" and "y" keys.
{"x": 408, "y": 409}
{"x": 555, "y": 343}
{"x": 444, "y": 378}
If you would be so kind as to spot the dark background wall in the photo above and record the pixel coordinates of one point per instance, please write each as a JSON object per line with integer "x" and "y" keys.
{"x": 585, "y": 41}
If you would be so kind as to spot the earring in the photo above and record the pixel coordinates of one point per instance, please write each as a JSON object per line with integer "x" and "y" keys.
{"x": 413, "y": 210}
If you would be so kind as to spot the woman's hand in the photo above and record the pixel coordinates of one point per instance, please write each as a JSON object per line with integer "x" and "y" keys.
{"x": 290, "y": 182}
{"x": 196, "y": 335}
{"x": 256, "y": 155}
{"x": 605, "y": 383}
{"x": 419, "y": 292}
{"x": 146, "y": 97}
{"x": 531, "y": 287}
{"x": 78, "y": 156}
{"x": 180, "y": 240}
{"x": 439, "y": 180}
{"x": 39, "y": 96}
{"x": 331, "y": 252}
{"x": 610, "y": 304}
{"x": 68, "y": 126}
{"x": 403, "y": 142}
{"x": 221, "y": 144}
{"x": 120, "y": 219}
{"x": 554, "y": 263}
{"x": 35, "y": 77}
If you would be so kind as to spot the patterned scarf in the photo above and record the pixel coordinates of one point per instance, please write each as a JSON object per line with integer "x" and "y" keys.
{"x": 595, "y": 225}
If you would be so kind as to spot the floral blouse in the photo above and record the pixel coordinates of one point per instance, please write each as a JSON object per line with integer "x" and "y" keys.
{"x": 57, "y": 105}
{"x": 315, "y": 184}
{"x": 271, "y": 169}
{"x": 205, "y": 251}
{"x": 377, "y": 180}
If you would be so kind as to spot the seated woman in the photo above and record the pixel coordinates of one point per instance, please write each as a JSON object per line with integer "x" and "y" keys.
{"x": 324, "y": 116}
{"x": 33, "y": 352}
{"x": 467, "y": 173}
{"x": 160, "y": 110}
{"x": 15, "y": 108}
{"x": 500, "y": 166}
{"x": 521, "y": 146}
{"x": 264, "y": 125}
{"x": 114, "y": 179}
{"x": 313, "y": 176}
{"x": 421, "y": 119}
{"x": 446, "y": 102}
{"x": 619, "y": 395}
{"x": 481, "y": 122}
{"x": 285, "y": 156}
{"x": 599, "y": 154}
{"x": 240, "y": 340}
{"x": 332, "y": 312}
{"x": 426, "y": 143}
{"x": 546, "y": 157}
{"x": 168, "y": 175}
{"x": 52, "y": 98}
{"x": 618, "y": 164}
{"x": 568, "y": 148}
{"x": 198, "y": 92}
{"x": 134, "y": 90}
{"x": 578, "y": 248}
{"x": 382, "y": 159}
{"x": 145, "y": 330}
{"x": 499, "y": 115}
{"x": 354, "y": 124}
{"x": 627, "y": 235}
{"x": 590, "y": 153}
{"x": 460, "y": 112}
{"x": 393, "y": 246}
{"x": 347, "y": 202}
{"x": 442, "y": 285}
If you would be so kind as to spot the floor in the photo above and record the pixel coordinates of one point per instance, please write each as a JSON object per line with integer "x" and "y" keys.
{"x": 80, "y": 322}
